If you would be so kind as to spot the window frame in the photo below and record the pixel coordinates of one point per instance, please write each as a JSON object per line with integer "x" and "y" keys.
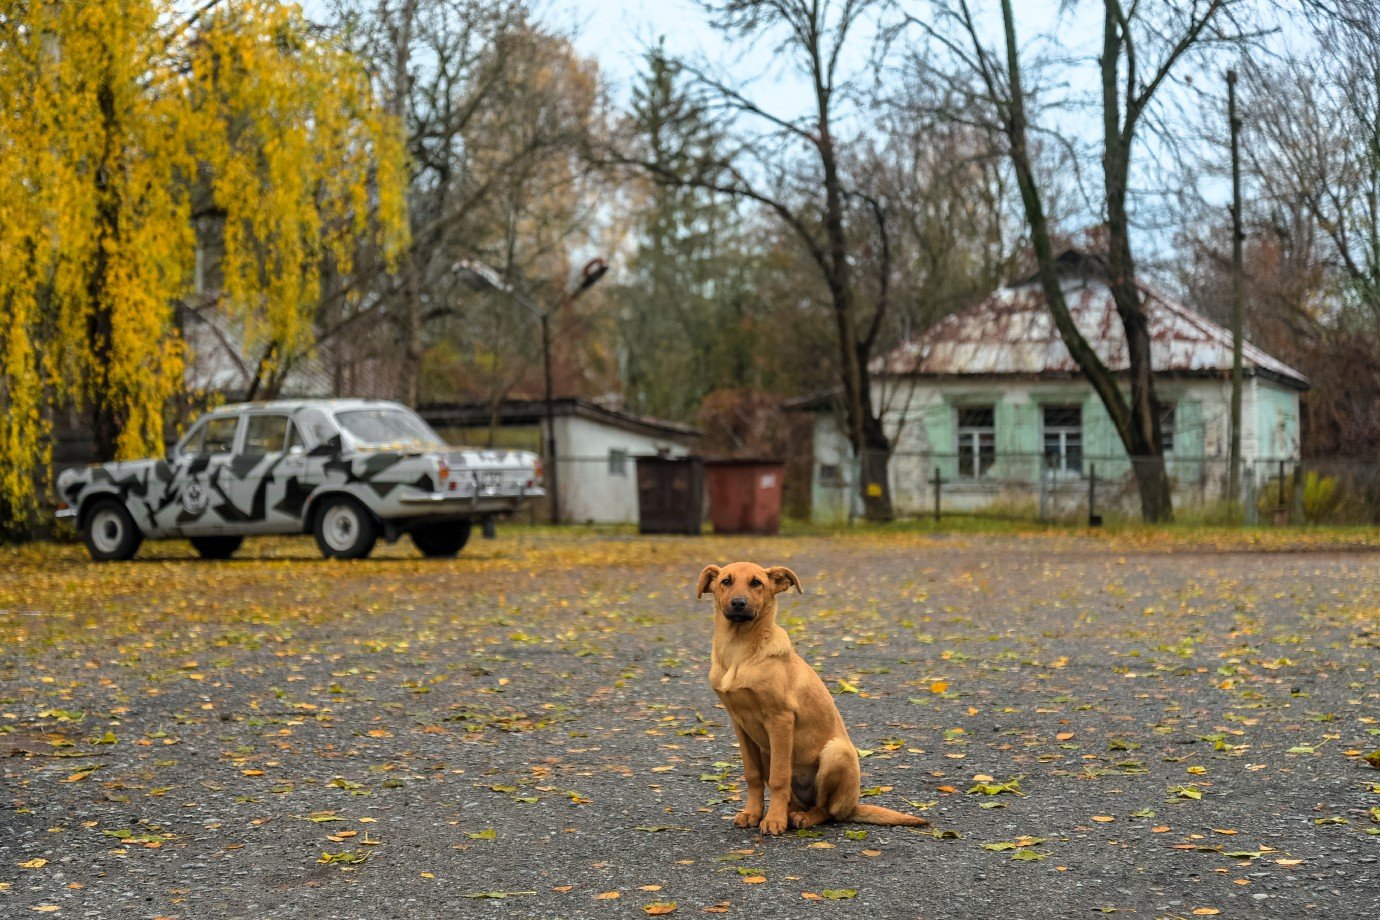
{"x": 976, "y": 470}
{"x": 1169, "y": 413}
{"x": 618, "y": 461}
{"x": 1063, "y": 432}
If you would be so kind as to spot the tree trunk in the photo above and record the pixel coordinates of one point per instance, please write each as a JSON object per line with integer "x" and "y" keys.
{"x": 865, "y": 431}
{"x": 1141, "y": 434}
{"x": 105, "y": 422}
{"x": 1137, "y": 423}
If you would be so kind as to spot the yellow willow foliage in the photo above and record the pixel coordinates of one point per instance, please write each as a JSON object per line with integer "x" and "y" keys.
{"x": 115, "y": 115}
{"x": 298, "y": 153}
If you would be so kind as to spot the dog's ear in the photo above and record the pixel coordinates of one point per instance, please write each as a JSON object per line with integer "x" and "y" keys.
{"x": 783, "y": 578}
{"x": 707, "y": 577}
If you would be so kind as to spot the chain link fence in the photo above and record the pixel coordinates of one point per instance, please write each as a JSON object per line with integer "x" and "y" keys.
{"x": 1082, "y": 488}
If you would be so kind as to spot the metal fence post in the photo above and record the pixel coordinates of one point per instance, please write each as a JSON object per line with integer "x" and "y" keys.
{"x": 938, "y": 481}
{"x": 1094, "y": 519}
{"x": 1250, "y": 504}
{"x": 1044, "y": 494}
{"x": 1299, "y": 480}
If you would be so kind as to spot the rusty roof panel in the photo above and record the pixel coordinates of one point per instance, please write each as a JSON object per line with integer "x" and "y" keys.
{"x": 1012, "y": 332}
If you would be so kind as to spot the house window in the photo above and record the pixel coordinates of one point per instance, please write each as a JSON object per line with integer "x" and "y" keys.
{"x": 1063, "y": 430}
{"x": 1167, "y": 427}
{"x": 977, "y": 441}
{"x": 831, "y": 476}
{"x": 618, "y": 462}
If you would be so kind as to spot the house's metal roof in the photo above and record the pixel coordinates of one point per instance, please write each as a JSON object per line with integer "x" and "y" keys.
{"x": 1012, "y": 332}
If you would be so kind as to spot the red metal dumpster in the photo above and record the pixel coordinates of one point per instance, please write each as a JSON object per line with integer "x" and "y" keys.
{"x": 745, "y": 495}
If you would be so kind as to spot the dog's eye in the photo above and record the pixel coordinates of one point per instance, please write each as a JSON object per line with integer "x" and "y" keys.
{"x": 727, "y": 581}
{"x": 756, "y": 582}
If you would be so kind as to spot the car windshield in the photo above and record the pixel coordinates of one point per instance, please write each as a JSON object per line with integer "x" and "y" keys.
{"x": 388, "y": 429}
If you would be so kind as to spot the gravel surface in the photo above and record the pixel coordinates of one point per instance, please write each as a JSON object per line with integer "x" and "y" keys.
{"x": 281, "y": 737}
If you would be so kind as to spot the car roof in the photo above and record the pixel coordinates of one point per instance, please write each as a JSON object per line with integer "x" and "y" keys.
{"x": 292, "y": 405}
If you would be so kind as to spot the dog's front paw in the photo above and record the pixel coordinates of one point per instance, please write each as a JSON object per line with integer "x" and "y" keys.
{"x": 747, "y": 818}
{"x": 773, "y": 825}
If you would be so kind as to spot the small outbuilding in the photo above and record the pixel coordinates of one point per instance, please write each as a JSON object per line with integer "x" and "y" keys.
{"x": 595, "y": 445}
{"x": 991, "y": 399}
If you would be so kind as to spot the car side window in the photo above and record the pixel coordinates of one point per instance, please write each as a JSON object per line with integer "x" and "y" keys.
{"x": 266, "y": 434}
{"x": 191, "y": 444}
{"x": 313, "y": 429}
{"x": 293, "y": 438}
{"x": 220, "y": 435}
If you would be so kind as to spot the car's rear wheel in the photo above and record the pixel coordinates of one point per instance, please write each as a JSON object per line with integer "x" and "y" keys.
{"x": 344, "y": 529}
{"x": 110, "y": 533}
{"x": 442, "y": 541}
{"x": 216, "y": 547}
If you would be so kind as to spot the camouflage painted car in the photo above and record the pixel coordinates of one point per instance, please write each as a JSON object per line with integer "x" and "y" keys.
{"x": 346, "y": 470}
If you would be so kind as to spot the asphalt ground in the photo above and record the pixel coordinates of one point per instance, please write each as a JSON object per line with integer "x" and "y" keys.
{"x": 528, "y": 731}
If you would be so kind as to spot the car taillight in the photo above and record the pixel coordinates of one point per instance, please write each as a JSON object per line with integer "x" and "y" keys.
{"x": 537, "y": 471}
{"x": 442, "y": 472}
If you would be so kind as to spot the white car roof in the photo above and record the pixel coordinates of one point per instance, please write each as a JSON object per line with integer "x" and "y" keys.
{"x": 292, "y": 405}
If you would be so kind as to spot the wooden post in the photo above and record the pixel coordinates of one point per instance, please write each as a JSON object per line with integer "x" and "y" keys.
{"x": 938, "y": 482}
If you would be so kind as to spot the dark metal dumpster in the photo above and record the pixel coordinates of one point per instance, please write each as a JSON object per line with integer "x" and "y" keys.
{"x": 745, "y": 495}
{"x": 670, "y": 494}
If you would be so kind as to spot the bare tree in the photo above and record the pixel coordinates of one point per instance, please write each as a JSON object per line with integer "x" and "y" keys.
{"x": 794, "y": 166}
{"x": 496, "y": 111}
{"x": 1142, "y": 45}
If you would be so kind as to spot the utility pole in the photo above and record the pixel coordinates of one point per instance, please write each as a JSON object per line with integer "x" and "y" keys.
{"x": 553, "y": 467}
{"x": 1237, "y": 236}
{"x": 480, "y": 277}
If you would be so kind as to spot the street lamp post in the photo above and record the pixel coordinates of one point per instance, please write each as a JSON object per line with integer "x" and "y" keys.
{"x": 480, "y": 277}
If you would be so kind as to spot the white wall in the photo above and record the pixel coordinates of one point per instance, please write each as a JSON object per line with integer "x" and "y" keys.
{"x": 589, "y": 492}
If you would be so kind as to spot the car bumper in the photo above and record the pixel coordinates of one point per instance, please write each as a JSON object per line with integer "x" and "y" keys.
{"x": 65, "y": 511}
{"x": 480, "y": 501}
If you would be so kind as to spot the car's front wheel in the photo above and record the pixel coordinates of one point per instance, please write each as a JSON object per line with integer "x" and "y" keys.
{"x": 110, "y": 533}
{"x": 345, "y": 529}
{"x": 442, "y": 541}
{"x": 215, "y": 547}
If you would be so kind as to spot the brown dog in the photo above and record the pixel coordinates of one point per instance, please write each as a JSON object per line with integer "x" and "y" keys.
{"x": 789, "y": 729}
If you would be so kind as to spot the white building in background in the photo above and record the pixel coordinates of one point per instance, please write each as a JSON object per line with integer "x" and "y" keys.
{"x": 596, "y": 446}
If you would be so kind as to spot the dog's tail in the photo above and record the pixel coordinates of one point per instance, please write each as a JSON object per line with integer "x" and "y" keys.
{"x": 875, "y": 814}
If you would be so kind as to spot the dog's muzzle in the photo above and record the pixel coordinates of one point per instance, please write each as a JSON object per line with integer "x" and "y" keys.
{"x": 738, "y": 611}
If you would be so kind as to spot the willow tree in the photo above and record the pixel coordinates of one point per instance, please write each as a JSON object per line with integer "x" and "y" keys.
{"x": 121, "y": 121}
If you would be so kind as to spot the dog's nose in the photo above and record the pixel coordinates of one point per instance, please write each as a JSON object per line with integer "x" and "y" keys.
{"x": 738, "y": 604}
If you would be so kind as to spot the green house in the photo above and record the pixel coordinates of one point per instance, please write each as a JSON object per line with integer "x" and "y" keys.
{"x": 991, "y": 400}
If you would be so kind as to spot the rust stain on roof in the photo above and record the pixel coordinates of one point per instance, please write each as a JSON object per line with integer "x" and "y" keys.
{"x": 1012, "y": 332}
